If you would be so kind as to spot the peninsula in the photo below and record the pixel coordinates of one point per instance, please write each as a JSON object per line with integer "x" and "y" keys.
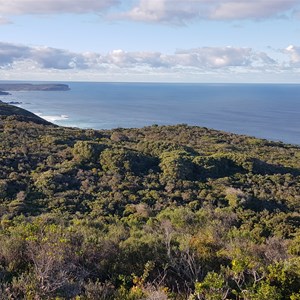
{"x": 4, "y": 87}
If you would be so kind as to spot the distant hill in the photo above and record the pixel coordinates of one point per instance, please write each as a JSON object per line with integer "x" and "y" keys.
{"x": 20, "y": 114}
{"x": 33, "y": 87}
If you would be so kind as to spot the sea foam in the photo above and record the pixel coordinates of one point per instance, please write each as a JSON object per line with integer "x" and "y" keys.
{"x": 53, "y": 118}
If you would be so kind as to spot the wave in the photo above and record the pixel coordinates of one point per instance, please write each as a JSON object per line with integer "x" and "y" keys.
{"x": 53, "y": 118}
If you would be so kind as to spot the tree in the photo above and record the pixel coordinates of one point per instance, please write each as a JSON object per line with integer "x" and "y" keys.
{"x": 177, "y": 165}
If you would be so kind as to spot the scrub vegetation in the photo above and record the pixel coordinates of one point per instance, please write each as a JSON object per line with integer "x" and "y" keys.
{"x": 161, "y": 212}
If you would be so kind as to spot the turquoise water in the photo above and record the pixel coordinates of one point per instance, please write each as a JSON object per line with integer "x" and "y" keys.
{"x": 263, "y": 110}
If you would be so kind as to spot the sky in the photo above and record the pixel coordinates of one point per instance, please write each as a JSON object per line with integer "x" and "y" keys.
{"x": 205, "y": 41}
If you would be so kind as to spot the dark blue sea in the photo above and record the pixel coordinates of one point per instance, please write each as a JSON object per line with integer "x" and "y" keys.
{"x": 270, "y": 111}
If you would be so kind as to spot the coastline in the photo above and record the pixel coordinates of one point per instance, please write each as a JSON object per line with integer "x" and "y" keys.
{"x": 108, "y": 106}
{"x": 47, "y": 87}
{"x": 64, "y": 121}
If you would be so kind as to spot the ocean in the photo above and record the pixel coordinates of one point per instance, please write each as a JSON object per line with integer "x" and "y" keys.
{"x": 270, "y": 111}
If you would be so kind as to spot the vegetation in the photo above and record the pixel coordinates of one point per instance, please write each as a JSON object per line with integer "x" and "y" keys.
{"x": 17, "y": 113}
{"x": 162, "y": 212}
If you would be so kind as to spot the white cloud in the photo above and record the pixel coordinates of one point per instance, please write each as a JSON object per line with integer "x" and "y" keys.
{"x": 294, "y": 53}
{"x": 181, "y": 11}
{"x": 201, "y": 59}
{"x": 10, "y": 53}
{"x": 16, "y": 7}
{"x": 204, "y": 64}
{"x": 165, "y": 11}
{"x": 215, "y": 57}
{"x": 256, "y": 9}
{"x": 45, "y": 57}
{"x": 50, "y": 58}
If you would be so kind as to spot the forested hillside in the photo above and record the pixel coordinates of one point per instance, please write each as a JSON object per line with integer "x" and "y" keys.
{"x": 162, "y": 212}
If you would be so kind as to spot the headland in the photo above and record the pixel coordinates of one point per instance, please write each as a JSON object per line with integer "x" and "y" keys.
{"x": 4, "y": 87}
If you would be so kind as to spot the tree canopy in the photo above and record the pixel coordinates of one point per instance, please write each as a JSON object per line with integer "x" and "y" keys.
{"x": 161, "y": 212}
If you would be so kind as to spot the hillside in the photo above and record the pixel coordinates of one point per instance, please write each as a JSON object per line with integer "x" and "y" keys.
{"x": 161, "y": 212}
{"x": 18, "y": 113}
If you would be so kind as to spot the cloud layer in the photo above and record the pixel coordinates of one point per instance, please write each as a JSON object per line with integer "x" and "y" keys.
{"x": 17, "y": 7}
{"x": 178, "y": 11}
{"x": 205, "y": 64}
{"x": 204, "y": 59}
{"x": 166, "y": 11}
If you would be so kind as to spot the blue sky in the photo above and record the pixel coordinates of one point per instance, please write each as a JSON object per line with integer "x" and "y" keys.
{"x": 150, "y": 40}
